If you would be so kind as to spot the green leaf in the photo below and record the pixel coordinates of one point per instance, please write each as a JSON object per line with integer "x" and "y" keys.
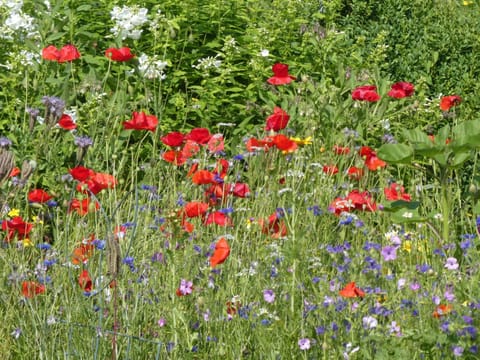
{"x": 395, "y": 206}
{"x": 54, "y": 36}
{"x": 407, "y": 216}
{"x": 395, "y": 153}
{"x": 460, "y": 158}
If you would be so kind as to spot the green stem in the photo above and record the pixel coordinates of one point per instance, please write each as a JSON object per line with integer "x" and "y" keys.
{"x": 445, "y": 205}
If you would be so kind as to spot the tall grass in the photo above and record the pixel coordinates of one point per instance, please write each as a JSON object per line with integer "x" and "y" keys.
{"x": 413, "y": 257}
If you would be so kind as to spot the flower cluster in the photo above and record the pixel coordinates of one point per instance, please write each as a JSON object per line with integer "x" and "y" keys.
{"x": 128, "y": 21}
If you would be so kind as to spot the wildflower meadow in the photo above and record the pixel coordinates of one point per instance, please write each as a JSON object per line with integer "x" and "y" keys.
{"x": 239, "y": 179}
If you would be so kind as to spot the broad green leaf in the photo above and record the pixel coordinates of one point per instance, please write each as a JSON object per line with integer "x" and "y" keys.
{"x": 395, "y": 153}
{"x": 416, "y": 136}
{"x": 460, "y": 158}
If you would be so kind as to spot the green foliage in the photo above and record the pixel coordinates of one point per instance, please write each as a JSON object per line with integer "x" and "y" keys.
{"x": 209, "y": 62}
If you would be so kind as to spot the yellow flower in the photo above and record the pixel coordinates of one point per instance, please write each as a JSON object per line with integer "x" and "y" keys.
{"x": 13, "y": 213}
{"x": 27, "y": 242}
{"x": 299, "y": 141}
{"x": 407, "y": 246}
{"x": 466, "y": 2}
{"x": 37, "y": 220}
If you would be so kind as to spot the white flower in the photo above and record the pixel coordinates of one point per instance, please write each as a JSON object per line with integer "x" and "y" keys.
{"x": 128, "y": 21}
{"x": 264, "y": 53}
{"x": 207, "y": 63}
{"x": 369, "y": 322}
{"x": 151, "y": 68}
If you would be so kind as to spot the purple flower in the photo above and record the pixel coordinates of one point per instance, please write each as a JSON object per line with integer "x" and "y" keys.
{"x": 83, "y": 141}
{"x": 415, "y": 286}
{"x": 304, "y": 344}
{"x": 449, "y": 295}
{"x": 269, "y": 296}
{"x": 451, "y": 263}
{"x": 389, "y": 253}
{"x": 5, "y": 142}
{"x": 457, "y": 351}
{"x": 186, "y": 287}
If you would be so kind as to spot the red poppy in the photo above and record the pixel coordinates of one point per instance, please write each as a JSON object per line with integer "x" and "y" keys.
{"x": 341, "y": 150}
{"x": 240, "y": 190}
{"x": 121, "y": 54}
{"x": 174, "y": 157}
{"x": 222, "y": 168}
{"x": 355, "y": 200}
{"x": 82, "y": 207}
{"x": 81, "y": 173}
{"x": 104, "y": 181}
{"x": 15, "y": 171}
{"x": 141, "y": 121}
{"x": 284, "y": 143}
{"x": 203, "y": 177}
{"x": 83, "y": 252}
{"x": 66, "y": 122}
{"x": 193, "y": 169}
{"x": 401, "y": 89}
{"x": 361, "y": 200}
{"x": 442, "y": 310}
{"x": 199, "y": 135}
{"x": 366, "y": 93}
{"x": 330, "y": 169}
{"x": 50, "y": 53}
{"x": 366, "y": 151}
{"x": 85, "y": 281}
{"x": 67, "y": 53}
{"x": 339, "y": 205}
{"x": 396, "y": 192}
{"x": 221, "y": 253}
{"x": 278, "y": 120}
{"x": 195, "y": 209}
{"x": 351, "y": 291}
{"x": 374, "y": 163}
{"x": 191, "y": 148}
{"x": 355, "y": 173}
{"x": 32, "y": 288}
{"x": 280, "y": 75}
{"x": 173, "y": 139}
{"x": 216, "y": 143}
{"x": 216, "y": 193}
{"x": 448, "y": 102}
{"x": 254, "y": 144}
{"x": 218, "y": 218}
{"x": 275, "y": 227}
{"x": 38, "y": 196}
{"x": 16, "y": 226}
